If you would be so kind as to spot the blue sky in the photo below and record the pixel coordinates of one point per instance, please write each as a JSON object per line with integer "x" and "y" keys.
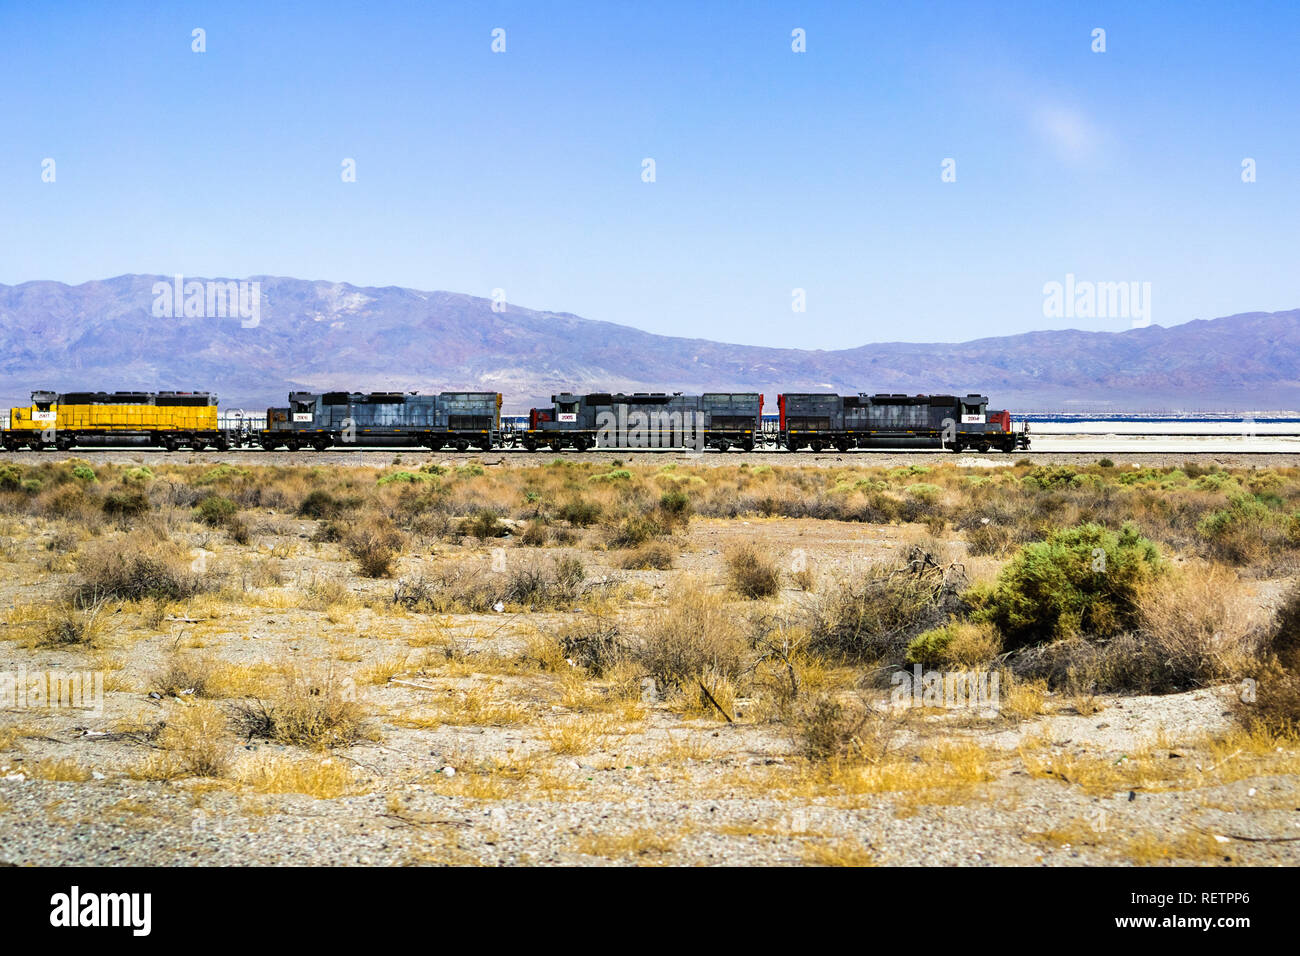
{"x": 775, "y": 170}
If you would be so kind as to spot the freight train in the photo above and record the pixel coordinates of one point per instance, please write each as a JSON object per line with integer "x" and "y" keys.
{"x": 461, "y": 420}
{"x": 647, "y": 420}
{"x": 455, "y": 419}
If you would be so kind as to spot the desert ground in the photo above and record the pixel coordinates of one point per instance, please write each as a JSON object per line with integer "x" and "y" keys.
{"x": 499, "y": 659}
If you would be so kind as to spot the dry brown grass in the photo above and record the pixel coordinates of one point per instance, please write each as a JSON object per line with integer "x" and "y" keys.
{"x": 841, "y": 853}
{"x": 324, "y": 778}
{"x": 751, "y": 572}
{"x": 309, "y": 711}
{"x": 642, "y": 844}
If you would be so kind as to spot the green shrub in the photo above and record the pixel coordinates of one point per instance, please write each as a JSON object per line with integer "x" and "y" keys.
{"x": 11, "y": 477}
{"x": 138, "y": 474}
{"x": 406, "y": 478}
{"x": 1050, "y": 476}
{"x": 1080, "y": 580}
{"x": 221, "y": 473}
{"x": 215, "y": 510}
{"x": 618, "y": 474}
{"x": 1244, "y": 529}
{"x": 957, "y": 643}
{"x": 924, "y": 491}
{"x": 84, "y": 473}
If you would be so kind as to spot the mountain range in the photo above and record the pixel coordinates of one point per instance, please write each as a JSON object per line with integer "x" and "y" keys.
{"x": 316, "y": 335}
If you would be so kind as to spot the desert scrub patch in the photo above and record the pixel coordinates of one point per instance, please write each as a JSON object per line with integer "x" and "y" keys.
{"x": 1080, "y": 580}
{"x": 579, "y": 512}
{"x": 1249, "y": 527}
{"x": 375, "y": 546}
{"x": 695, "y": 633}
{"x": 77, "y": 620}
{"x": 484, "y": 524}
{"x": 137, "y": 567}
{"x": 1272, "y": 703}
{"x": 317, "y": 713}
{"x": 871, "y": 620}
{"x": 751, "y": 571}
{"x": 652, "y": 556}
{"x": 125, "y": 502}
{"x": 833, "y": 729}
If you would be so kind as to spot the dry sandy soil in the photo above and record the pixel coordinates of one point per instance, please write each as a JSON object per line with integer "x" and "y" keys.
{"x": 478, "y": 752}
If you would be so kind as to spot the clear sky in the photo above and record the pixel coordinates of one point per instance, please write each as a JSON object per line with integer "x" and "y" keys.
{"x": 774, "y": 170}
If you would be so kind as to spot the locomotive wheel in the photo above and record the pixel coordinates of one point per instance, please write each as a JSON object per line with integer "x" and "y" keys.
{"x": 435, "y": 444}
{"x": 198, "y": 444}
{"x": 170, "y": 442}
{"x": 984, "y": 446}
{"x": 747, "y": 444}
{"x": 63, "y": 444}
{"x": 842, "y": 444}
{"x": 530, "y": 444}
{"x": 722, "y": 445}
{"x": 580, "y": 444}
{"x": 817, "y": 446}
{"x": 320, "y": 444}
{"x": 36, "y": 444}
{"x": 485, "y": 444}
{"x": 269, "y": 445}
{"x": 557, "y": 444}
{"x": 791, "y": 446}
{"x": 462, "y": 445}
{"x": 292, "y": 445}
{"x": 956, "y": 447}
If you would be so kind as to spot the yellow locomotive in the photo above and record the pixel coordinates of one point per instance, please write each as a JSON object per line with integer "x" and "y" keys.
{"x": 166, "y": 419}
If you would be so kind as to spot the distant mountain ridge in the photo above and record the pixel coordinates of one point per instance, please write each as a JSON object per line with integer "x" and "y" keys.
{"x": 103, "y": 335}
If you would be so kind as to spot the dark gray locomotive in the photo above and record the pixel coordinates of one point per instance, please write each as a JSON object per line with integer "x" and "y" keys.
{"x": 323, "y": 419}
{"x": 819, "y": 421}
{"x": 646, "y": 420}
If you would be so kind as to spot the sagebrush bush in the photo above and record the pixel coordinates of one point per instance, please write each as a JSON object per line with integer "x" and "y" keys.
{"x": 1080, "y": 580}
{"x": 216, "y": 510}
{"x": 1249, "y": 527}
